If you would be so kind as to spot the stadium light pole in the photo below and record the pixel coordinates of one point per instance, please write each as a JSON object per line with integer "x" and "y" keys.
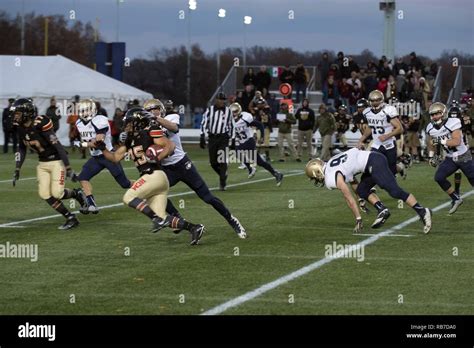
{"x": 221, "y": 14}
{"x": 247, "y": 21}
{"x": 118, "y": 20}
{"x": 192, "y": 5}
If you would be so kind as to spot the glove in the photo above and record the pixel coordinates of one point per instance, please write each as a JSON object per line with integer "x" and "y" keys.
{"x": 359, "y": 226}
{"x": 100, "y": 145}
{"x": 123, "y": 137}
{"x": 16, "y": 176}
{"x": 76, "y": 143}
{"x": 71, "y": 175}
{"x": 435, "y": 141}
{"x": 434, "y": 161}
{"x": 202, "y": 142}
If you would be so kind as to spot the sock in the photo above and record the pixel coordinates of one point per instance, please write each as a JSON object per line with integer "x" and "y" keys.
{"x": 379, "y": 206}
{"x": 454, "y": 196}
{"x": 457, "y": 182}
{"x": 171, "y": 209}
{"x": 143, "y": 207}
{"x": 419, "y": 209}
{"x": 179, "y": 223}
{"x": 90, "y": 200}
{"x": 57, "y": 205}
{"x": 267, "y": 154}
{"x": 68, "y": 193}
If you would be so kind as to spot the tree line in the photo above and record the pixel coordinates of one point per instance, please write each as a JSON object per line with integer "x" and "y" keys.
{"x": 163, "y": 71}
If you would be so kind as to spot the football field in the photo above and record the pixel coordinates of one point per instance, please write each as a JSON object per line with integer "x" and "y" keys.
{"x": 112, "y": 264}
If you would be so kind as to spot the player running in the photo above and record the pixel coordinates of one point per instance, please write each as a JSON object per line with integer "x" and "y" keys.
{"x": 36, "y": 132}
{"x": 245, "y": 142}
{"x": 93, "y": 128}
{"x": 179, "y": 168}
{"x": 341, "y": 169}
{"x": 150, "y": 192}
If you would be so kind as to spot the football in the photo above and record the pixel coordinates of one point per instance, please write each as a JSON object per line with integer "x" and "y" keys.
{"x": 153, "y": 152}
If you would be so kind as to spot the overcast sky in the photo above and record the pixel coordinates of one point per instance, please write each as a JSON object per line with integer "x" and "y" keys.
{"x": 427, "y": 27}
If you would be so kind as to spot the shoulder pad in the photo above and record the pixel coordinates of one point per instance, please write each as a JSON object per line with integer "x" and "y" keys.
{"x": 42, "y": 123}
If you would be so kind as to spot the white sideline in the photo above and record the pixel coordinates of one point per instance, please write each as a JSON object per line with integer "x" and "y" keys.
{"x": 315, "y": 265}
{"x": 9, "y": 224}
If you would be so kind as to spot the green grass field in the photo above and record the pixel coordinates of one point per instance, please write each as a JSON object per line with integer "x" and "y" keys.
{"x": 289, "y": 228}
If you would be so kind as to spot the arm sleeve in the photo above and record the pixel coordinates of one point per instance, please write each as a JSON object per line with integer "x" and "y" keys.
{"x": 156, "y": 132}
{"x": 204, "y": 122}
{"x": 257, "y": 124}
{"x": 22, "y": 154}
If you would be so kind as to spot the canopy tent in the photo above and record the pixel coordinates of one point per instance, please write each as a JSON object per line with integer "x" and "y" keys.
{"x": 41, "y": 77}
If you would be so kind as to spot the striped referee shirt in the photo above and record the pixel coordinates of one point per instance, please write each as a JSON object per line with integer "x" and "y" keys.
{"x": 218, "y": 121}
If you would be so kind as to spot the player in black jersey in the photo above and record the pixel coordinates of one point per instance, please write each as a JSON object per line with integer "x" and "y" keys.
{"x": 149, "y": 193}
{"x": 36, "y": 132}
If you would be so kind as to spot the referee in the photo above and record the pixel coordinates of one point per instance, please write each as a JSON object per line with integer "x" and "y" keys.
{"x": 218, "y": 123}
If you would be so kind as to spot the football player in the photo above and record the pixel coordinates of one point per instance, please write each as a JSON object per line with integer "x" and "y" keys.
{"x": 179, "y": 168}
{"x": 384, "y": 125}
{"x": 245, "y": 141}
{"x": 446, "y": 132}
{"x": 36, "y": 132}
{"x": 342, "y": 124}
{"x": 358, "y": 119}
{"x": 150, "y": 192}
{"x": 341, "y": 169}
{"x": 92, "y": 128}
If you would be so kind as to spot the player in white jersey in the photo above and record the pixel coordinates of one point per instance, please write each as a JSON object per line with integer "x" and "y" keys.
{"x": 383, "y": 124}
{"x": 341, "y": 170}
{"x": 179, "y": 168}
{"x": 92, "y": 128}
{"x": 245, "y": 142}
{"x": 446, "y": 132}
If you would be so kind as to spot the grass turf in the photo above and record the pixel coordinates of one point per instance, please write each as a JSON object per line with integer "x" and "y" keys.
{"x": 289, "y": 228}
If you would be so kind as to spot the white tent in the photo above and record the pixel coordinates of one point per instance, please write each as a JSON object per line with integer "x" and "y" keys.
{"x": 41, "y": 77}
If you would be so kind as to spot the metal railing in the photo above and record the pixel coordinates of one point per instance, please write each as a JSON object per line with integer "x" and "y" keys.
{"x": 437, "y": 85}
{"x": 463, "y": 82}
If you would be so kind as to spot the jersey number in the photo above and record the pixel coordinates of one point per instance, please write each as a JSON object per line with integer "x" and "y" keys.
{"x": 338, "y": 160}
{"x": 377, "y": 130}
{"x": 35, "y": 145}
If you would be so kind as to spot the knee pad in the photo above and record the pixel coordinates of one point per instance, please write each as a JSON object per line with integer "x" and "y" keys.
{"x": 128, "y": 196}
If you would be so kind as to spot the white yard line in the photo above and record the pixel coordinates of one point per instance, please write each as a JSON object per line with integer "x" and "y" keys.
{"x": 10, "y": 224}
{"x": 315, "y": 265}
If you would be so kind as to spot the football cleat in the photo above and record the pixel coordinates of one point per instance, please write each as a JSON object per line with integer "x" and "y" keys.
{"x": 427, "y": 221}
{"x": 159, "y": 224}
{"x": 279, "y": 178}
{"x": 238, "y": 228}
{"x": 381, "y": 218}
{"x": 70, "y": 223}
{"x": 363, "y": 206}
{"x": 93, "y": 209}
{"x": 82, "y": 200}
{"x": 196, "y": 233}
{"x": 455, "y": 204}
{"x": 242, "y": 166}
{"x": 252, "y": 172}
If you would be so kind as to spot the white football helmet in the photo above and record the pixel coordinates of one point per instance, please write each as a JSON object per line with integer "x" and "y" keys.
{"x": 86, "y": 109}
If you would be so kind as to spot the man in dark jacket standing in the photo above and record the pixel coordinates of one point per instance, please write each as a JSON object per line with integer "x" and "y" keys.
{"x": 9, "y": 132}
{"x": 306, "y": 118}
{"x": 54, "y": 114}
{"x": 263, "y": 80}
{"x": 301, "y": 81}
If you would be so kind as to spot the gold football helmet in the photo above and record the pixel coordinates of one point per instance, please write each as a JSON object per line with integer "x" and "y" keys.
{"x": 376, "y": 99}
{"x": 315, "y": 171}
{"x": 438, "y": 114}
{"x": 236, "y": 109}
{"x": 86, "y": 109}
{"x": 155, "y": 104}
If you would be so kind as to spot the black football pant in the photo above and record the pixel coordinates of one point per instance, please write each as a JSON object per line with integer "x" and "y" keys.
{"x": 217, "y": 155}
{"x": 185, "y": 171}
